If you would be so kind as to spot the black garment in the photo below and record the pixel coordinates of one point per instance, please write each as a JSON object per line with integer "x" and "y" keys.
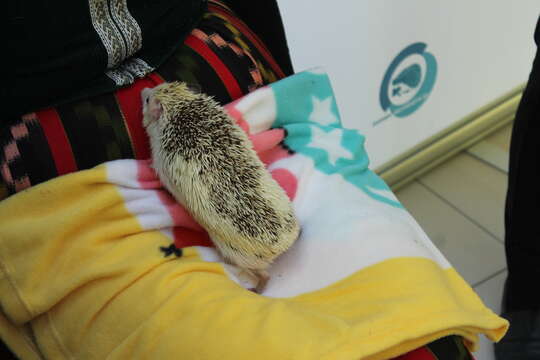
{"x": 59, "y": 57}
{"x": 522, "y": 342}
{"x": 5, "y": 353}
{"x": 522, "y": 238}
{"x": 63, "y": 50}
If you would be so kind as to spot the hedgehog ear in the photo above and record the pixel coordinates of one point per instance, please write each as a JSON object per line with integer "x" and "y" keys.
{"x": 155, "y": 108}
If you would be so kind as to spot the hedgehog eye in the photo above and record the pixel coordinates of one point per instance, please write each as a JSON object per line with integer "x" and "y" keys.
{"x": 147, "y": 99}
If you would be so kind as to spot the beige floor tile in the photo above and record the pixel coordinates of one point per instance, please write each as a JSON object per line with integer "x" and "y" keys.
{"x": 494, "y": 150}
{"x": 491, "y": 293}
{"x": 501, "y": 138}
{"x": 491, "y": 154}
{"x": 473, "y": 252}
{"x": 475, "y": 188}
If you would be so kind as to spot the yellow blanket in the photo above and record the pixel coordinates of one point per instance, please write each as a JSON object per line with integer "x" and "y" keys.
{"x": 104, "y": 264}
{"x": 86, "y": 273}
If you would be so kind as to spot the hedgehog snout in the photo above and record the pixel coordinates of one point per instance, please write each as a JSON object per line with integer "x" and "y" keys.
{"x": 145, "y": 95}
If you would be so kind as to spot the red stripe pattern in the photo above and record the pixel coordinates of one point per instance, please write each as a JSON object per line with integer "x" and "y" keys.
{"x": 200, "y": 47}
{"x": 246, "y": 31}
{"x": 130, "y": 103}
{"x": 422, "y": 353}
{"x": 58, "y": 141}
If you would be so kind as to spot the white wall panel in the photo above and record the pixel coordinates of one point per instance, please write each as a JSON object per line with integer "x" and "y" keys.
{"x": 482, "y": 49}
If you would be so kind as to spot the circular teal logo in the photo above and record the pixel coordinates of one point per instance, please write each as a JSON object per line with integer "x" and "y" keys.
{"x": 408, "y": 81}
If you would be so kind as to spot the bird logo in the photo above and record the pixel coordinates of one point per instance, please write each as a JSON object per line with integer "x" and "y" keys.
{"x": 408, "y": 81}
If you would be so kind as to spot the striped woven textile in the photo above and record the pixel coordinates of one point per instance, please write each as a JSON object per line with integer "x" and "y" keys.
{"x": 222, "y": 57}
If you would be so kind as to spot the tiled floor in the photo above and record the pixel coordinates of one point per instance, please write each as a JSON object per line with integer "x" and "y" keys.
{"x": 460, "y": 205}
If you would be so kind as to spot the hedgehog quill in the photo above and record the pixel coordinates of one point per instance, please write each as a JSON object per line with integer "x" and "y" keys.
{"x": 207, "y": 162}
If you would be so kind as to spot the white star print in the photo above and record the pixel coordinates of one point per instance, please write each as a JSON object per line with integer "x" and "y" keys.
{"x": 322, "y": 113}
{"x": 331, "y": 143}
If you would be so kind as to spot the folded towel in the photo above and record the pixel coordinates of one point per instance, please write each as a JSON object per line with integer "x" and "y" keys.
{"x": 103, "y": 263}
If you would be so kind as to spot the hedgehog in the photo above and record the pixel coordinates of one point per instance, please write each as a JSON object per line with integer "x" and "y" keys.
{"x": 207, "y": 162}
